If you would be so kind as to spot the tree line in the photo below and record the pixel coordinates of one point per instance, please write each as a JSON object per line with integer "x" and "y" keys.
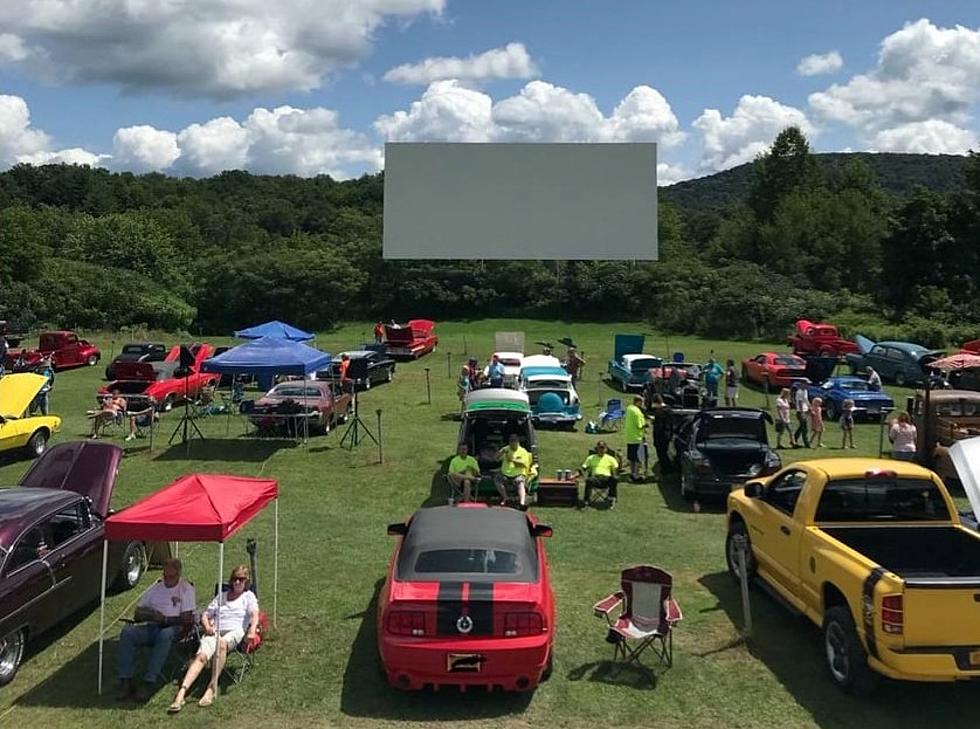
{"x": 93, "y": 249}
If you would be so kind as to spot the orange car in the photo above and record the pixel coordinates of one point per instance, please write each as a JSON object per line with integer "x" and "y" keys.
{"x": 775, "y": 368}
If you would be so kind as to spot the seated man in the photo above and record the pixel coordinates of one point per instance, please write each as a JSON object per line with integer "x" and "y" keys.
{"x": 463, "y": 469}
{"x": 113, "y": 407}
{"x": 600, "y": 469}
{"x": 162, "y": 614}
{"x": 516, "y": 467}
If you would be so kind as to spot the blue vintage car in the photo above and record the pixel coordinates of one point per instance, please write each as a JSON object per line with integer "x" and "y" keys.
{"x": 551, "y": 394}
{"x": 629, "y": 369}
{"x": 867, "y": 402}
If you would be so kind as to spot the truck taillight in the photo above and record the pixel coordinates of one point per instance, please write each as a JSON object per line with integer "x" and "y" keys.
{"x": 892, "y": 614}
{"x": 406, "y": 622}
{"x": 522, "y": 624}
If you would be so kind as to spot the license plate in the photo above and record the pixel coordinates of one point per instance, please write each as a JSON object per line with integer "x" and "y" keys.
{"x": 974, "y": 657}
{"x": 874, "y": 408}
{"x": 464, "y": 662}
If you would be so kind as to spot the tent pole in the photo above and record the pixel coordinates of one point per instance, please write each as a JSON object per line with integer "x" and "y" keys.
{"x": 105, "y": 567}
{"x": 275, "y": 569}
{"x": 217, "y": 621}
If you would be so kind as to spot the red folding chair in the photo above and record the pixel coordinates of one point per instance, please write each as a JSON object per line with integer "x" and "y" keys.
{"x": 648, "y": 614}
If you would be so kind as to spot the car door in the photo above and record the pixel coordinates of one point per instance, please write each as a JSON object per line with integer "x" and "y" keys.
{"x": 27, "y": 596}
{"x": 71, "y": 353}
{"x": 74, "y": 556}
{"x": 878, "y": 358}
{"x": 13, "y": 434}
{"x": 776, "y": 534}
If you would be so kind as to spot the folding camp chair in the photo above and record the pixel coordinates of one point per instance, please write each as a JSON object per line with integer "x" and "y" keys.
{"x": 455, "y": 492}
{"x": 647, "y": 617}
{"x": 613, "y": 414}
{"x": 240, "y": 662}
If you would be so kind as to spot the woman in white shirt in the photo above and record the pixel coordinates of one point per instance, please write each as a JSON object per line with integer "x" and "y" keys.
{"x": 236, "y": 614}
{"x": 902, "y": 434}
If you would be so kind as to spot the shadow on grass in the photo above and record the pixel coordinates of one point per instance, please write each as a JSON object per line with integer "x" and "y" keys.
{"x": 438, "y": 487}
{"x": 225, "y": 449}
{"x": 670, "y": 490}
{"x": 791, "y": 647}
{"x": 616, "y": 674}
{"x": 366, "y": 692}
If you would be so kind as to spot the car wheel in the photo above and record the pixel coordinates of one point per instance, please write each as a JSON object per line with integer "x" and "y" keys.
{"x": 737, "y": 528}
{"x": 133, "y": 564}
{"x": 168, "y": 404}
{"x": 846, "y": 659}
{"x": 37, "y": 444}
{"x": 899, "y": 378}
{"x": 92, "y": 360}
{"x": 108, "y": 373}
{"x": 11, "y": 653}
{"x": 391, "y": 374}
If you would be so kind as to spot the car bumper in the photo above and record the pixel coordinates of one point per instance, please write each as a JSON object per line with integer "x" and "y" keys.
{"x": 550, "y": 418}
{"x": 722, "y": 485}
{"x": 940, "y": 663}
{"x": 514, "y": 664}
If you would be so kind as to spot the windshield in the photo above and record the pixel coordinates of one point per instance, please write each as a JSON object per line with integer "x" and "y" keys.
{"x": 510, "y": 362}
{"x": 475, "y": 561}
{"x": 882, "y": 499}
{"x": 717, "y": 428}
{"x": 855, "y": 385}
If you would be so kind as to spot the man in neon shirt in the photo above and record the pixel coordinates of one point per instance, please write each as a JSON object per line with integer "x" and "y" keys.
{"x": 635, "y": 429}
{"x": 516, "y": 467}
{"x": 600, "y": 470}
{"x": 463, "y": 469}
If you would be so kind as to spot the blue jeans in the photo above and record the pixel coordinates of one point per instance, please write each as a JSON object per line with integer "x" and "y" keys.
{"x": 159, "y": 637}
{"x": 711, "y": 387}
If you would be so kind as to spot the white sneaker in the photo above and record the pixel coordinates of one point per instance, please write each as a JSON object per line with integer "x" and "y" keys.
{"x": 131, "y": 436}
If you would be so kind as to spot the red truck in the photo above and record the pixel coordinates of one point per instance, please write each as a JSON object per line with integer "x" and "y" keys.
{"x": 64, "y": 347}
{"x": 821, "y": 339}
{"x": 413, "y": 339}
{"x": 162, "y": 383}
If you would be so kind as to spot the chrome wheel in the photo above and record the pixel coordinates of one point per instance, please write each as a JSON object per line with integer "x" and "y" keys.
{"x": 37, "y": 444}
{"x": 11, "y": 653}
{"x": 92, "y": 360}
{"x": 838, "y": 658}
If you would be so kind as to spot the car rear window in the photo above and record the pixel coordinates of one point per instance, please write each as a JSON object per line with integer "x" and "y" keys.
{"x": 474, "y": 561}
{"x": 296, "y": 391}
{"x": 642, "y": 365}
{"x": 737, "y": 427}
{"x": 133, "y": 349}
{"x": 789, "y": 362}
{"x": 882, "y": 499}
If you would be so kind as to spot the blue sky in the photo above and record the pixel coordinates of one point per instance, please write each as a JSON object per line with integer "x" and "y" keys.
{"x": 308, "y": 86}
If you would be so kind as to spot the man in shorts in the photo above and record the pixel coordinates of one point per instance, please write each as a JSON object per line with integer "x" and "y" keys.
{"x": 635, "y": 430}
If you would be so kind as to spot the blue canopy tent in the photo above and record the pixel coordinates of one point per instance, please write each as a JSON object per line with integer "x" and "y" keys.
{"x": 277, "y": 329}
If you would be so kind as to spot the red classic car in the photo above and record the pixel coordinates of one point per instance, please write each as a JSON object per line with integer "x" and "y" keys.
{"x": 164, "y": 383}
{"x": 326, "y": 402}
{"x": 774, "y": 368}
{"x": 822, "y": 339}
{"x": 467, "y": 601}
{"x": 413, "y": 339}
{"x": 65, "y": 348}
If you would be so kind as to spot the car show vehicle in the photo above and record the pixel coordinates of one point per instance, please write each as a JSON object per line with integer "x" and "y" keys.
{"x": 820, "y": 339}
{"x": 19, "y": 430}
{"x": 678, "y": 383}
{"x": 868, "y": 403}
{"x": 551, "y": 395}
{"x": 162, "y": 384}
{"x": 773, "y": 369}
{"x": 51, "y": 535}
{"x": 411, "y": 340}
{"x": 629, "y": 369}
{"x": 137, "y": 352}
{"x": 899, "y": 362}
{"x": 942, "y": 418}
{"x": 718, "y": 448}
{"x": 872, "y": 551}
{"x": 512, "y": 362}
{"x": 63, "y": 347}
{"x": 367, "y": 367}
{"x": 323, "y": 404}
{"x": 467, "y": 601}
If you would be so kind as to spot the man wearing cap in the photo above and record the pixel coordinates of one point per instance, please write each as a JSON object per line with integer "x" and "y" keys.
{"x": 463, "y": 470}
{"x": 600, "y": 470}
{"x": 635, "y": 429}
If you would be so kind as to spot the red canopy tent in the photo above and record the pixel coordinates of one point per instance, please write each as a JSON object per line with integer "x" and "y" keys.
{"x": 194, "y": 508}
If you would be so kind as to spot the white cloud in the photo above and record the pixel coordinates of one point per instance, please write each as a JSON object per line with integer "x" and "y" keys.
{"x": 447, "y": 112}
{"x": 668, "y": 174}
{"x": 71, "y": 156}
{"x": 933, "y": 136}
{"x": 511, "y": 61}
{"x": 17, "y": 136}
{"x": 542, "y": 112}
{"x": 218, "y": 48}
{"x": 144, "y": 148}
{"x": 644, "y": 116}
{"x": 752, "y": 127}
{"x": 816, "y": 64}
{"x": 218, "y": 144}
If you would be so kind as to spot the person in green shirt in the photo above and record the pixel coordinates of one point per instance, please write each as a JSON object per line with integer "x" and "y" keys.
{"x": 463, "y": 469}
{"x": 600, "y": 469}
{"x": 516, "y": 467}
{"x": 635, "y": 430}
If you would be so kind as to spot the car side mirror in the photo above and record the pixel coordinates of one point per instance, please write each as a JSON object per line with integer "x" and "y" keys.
{"x": 753, "y": 489}
{"x": 542, "y": 530}
{"x": 398, "y": 529}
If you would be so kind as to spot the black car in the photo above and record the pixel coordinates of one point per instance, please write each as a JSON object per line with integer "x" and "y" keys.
{"x": 367, "y": 367}
{"x": 718, "y": 448}
{"x": 136, "y": 352}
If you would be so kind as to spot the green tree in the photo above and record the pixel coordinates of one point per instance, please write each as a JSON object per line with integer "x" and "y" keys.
{"x": 788, "y": 165}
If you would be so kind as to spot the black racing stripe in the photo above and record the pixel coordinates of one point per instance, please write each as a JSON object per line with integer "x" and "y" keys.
{"x": 449, "y": 606}
{"x": 868, "y": 609}
{"x": 480, "y": 608}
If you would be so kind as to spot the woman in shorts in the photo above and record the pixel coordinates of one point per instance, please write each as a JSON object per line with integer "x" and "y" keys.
{"x": 816, "y": 421}
{"x": 847, "y": 424}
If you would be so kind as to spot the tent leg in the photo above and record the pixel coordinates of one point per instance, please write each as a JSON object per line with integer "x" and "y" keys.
{"x": 105, "y": 568}
{"x": 275, "y": 570}
{"x": 217, "y": 622}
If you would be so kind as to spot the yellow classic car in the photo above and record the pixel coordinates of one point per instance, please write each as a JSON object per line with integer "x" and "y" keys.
{"x": 18, "y": 430}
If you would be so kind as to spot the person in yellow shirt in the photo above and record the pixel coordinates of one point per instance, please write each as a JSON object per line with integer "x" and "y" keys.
{"x": 635, "y": 431}
{"x": 463, "y": 469}
{"x": 516, "y": 467}
{"x": 600, "y": 469}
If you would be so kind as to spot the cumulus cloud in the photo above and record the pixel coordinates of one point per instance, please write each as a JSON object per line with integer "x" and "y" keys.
{"x": 668, "y": 174}
{"x": 18, "y": 137}
{"x": 71, "y": 156}
{"x": 511, "y": 61}
{"x": 447, "y": 112}
{"x": 220, "y": 48}
{"x": 752, "y": 127}
{"x": 816, "y": 64}
{"x": 932, "y": 136}
{"x": 144, "y": 148}
{"x": 216, "y": 145}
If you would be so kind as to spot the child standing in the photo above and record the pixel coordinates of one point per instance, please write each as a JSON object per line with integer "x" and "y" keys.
{"x": 816, "y": 421}
{"x": 782, "y": 418}
{"x": 847, "y": 424}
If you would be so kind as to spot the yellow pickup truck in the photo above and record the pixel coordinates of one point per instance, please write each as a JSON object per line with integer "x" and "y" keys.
{"x": 872, "y": 551}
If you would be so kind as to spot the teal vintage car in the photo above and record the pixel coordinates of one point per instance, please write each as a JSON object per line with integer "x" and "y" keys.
{"x": 551, "y": 394}
{"x": 629, "y": 369}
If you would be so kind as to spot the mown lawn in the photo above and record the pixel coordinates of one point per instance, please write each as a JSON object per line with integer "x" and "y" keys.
{"x": 320, "y": 668}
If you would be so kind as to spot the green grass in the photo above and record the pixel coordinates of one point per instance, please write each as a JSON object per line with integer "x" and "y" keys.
{"x": 320, "y": 668}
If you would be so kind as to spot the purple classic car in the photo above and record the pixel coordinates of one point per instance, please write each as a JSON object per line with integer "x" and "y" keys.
{"x": 51, "y": 531}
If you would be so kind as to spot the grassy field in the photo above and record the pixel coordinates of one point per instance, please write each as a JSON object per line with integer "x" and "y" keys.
{"x": 319, "y": 667}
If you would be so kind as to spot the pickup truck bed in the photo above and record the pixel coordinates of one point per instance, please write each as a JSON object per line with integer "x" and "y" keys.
{"x": 916, "y": 554}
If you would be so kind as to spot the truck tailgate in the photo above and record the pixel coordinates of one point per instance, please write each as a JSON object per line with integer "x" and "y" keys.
{"x": 941, "y": 612}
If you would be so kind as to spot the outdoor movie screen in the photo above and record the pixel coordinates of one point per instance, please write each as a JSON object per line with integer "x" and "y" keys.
{"x": 521, "y": 201}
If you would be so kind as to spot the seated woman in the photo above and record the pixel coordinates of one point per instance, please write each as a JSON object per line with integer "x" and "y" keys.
{"x": 237, "y": 613}
{"x": 113, "y": 407}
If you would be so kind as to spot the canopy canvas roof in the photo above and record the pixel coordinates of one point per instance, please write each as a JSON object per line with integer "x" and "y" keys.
{"x": 497, "y": 398}
{"x": 277, "y": 329}
{"x": 268, "y": 356}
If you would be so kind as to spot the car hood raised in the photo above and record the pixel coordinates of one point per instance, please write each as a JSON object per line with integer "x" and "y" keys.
{"x": 965, "y": 455}
{"x": 17, "y": 391}
{"x": 863, "y": 343}
{"x": 86, "y": 467}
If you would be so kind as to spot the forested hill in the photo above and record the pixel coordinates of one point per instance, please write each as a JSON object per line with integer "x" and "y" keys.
{"x": 898, "y": 174}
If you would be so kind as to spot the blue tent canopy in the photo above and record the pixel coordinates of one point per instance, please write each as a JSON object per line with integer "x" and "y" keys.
{"x": 266, "y": 357}
{"x": 277, "y": 329}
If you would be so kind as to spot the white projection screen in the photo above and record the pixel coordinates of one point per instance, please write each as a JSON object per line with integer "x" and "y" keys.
{"x": 521, "y": 201}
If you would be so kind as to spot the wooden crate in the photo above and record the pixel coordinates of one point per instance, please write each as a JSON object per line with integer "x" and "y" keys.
{"x": 552, "y": 492}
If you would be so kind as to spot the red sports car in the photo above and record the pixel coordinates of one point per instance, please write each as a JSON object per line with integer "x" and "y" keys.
{"x": 780, "y": 370}
{"x": 467, "y": 601}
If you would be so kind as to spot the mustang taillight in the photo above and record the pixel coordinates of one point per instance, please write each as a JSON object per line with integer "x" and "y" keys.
{"x": 406, "y": 622}
{"x": 522, "y": 624}
{"x": 892, "y": 614}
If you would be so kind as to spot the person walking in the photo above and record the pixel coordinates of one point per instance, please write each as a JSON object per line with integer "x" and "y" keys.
{"x": 731, "y": 383}
{"x": 847, "y": 424}
{"x": 783, "y": 406}
{"x": 462, "y": 388}
{"x": 712, "y": 373}
{"x": 802, "y": 404}
{"x": 635, "y": 430}
{"x": 816, "y": 421}
{"x": 903, "y": 434}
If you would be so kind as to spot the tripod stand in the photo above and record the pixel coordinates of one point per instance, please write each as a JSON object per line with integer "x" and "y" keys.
{"x": 356, "y": 431}
{"x": 187, "y": 427}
